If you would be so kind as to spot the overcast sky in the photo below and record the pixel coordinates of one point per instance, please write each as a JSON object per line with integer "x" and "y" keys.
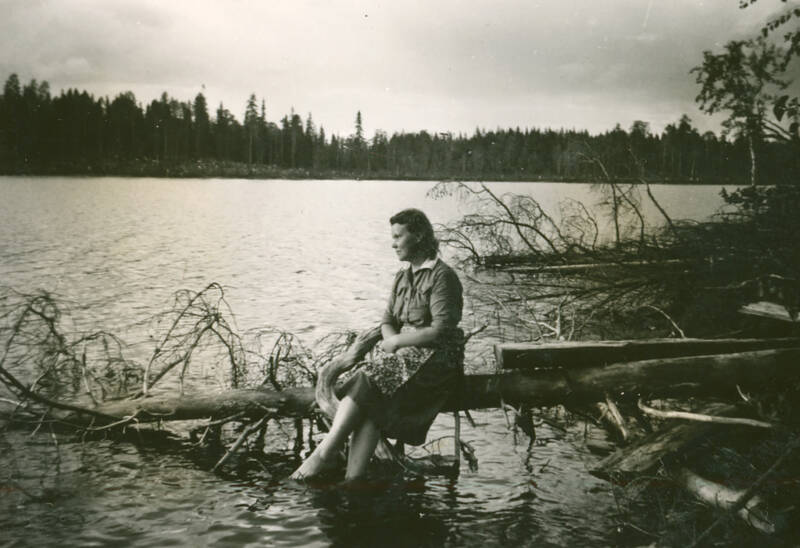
{"x": 440, "y": 65}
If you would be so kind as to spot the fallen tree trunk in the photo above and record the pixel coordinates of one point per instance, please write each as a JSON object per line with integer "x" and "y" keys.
{"x": 708, "y": 375}
{"x": 526, "y": 356}
{"x": 711, "y": 375}
{"x": 582, "y": 268}
{"x": 480, "y": 391}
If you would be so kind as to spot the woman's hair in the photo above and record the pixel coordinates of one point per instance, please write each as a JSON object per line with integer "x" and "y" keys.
{"x": 418, "y": 224}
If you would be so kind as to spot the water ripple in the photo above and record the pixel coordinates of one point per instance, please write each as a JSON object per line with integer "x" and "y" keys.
{"x": 310, "y": 258}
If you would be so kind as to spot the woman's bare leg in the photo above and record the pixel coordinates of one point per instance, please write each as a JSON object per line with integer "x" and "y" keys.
{"x": 347, "y": 419}
{"x": 362, "y": 445}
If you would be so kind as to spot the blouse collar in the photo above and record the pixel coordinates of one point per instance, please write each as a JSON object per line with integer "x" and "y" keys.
{"x": 429, "y": 264}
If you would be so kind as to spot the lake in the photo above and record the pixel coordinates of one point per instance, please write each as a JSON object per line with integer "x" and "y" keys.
{"x": 307, "y": 257}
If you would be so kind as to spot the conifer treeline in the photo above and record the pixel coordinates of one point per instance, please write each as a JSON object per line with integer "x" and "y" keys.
{"x": 74, "y": 132}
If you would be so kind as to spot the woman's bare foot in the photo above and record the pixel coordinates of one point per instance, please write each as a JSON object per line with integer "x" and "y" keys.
{"x": 312, "y": 466}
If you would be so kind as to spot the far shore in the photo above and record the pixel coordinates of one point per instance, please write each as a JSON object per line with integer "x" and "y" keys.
{"x": 243, "y": 170}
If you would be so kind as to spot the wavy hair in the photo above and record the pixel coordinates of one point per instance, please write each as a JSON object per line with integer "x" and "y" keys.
{"x": 417, "y": 223}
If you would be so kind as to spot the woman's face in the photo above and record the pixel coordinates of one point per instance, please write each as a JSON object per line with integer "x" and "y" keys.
{"x": 403, "y": 242}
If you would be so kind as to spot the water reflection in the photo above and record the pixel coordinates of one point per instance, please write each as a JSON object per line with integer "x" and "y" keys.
{"x": 383, "y": 512}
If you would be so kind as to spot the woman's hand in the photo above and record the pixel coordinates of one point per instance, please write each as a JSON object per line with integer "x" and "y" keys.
{"x": 390, "y": 344}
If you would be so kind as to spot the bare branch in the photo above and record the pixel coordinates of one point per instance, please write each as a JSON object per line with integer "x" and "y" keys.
{"x": 683, "y": 415}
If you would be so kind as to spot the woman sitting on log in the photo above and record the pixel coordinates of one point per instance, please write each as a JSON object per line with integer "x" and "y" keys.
{"x": 417, "y": 365}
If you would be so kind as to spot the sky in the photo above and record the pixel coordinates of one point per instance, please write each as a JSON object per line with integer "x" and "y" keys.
{"x": 407, "y": 65}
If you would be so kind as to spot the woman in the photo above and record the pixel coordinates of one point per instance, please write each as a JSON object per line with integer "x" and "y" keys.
{"x": 417, "y": 365}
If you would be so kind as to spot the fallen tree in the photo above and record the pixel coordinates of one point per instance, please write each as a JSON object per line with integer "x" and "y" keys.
{"x": 571, "y": 354}
{"x": 707, "y": 375}
{"x": 563, "y": 374}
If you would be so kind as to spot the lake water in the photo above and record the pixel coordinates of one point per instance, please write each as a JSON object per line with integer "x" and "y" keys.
{"x": 308, "y": 257}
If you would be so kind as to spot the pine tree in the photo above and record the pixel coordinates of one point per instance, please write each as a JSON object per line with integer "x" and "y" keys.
{"x": 251, "y": 123}
{"x": 202, "y": 126}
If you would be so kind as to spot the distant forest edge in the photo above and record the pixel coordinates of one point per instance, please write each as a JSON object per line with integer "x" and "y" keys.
{"x": 75, "y": 133}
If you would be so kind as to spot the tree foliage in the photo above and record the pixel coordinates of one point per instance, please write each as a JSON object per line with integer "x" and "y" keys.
{"x": 77, "y": 133}
{"x": 748, "y": 81}
{"x": 743, "y": 82}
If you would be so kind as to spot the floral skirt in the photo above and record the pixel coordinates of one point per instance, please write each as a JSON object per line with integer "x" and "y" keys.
{"x": 404, "y": 392}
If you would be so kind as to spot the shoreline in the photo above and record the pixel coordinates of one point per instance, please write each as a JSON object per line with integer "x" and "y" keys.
{"x": 238, "y": 170}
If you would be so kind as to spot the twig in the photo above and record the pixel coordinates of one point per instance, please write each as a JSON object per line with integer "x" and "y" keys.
{"x": 227, "y": 419}
{"x": 85, "y": 378}
{"x": 745, "y": 397}
{"x": 39, "y": 425}
{"x": 240, "y": 440}
{"x": 157, "y": 351}
{"x": 474, "y": 332}
{"x": 702, "y": 418}
{"x": 661, "y": 209}
{"x": 125, "y": 420}
{"x": 670, "y": 320}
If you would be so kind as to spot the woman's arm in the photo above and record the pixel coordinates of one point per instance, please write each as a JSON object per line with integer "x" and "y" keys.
{"x": 388, "y": 330}
{"x": 418, "y": 337}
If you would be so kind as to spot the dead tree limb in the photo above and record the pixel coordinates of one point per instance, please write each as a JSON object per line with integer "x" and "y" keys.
{"x": 248, "y": 431}
{"x": 753, "y": 511}
{"x": 698, "y": 417}
{"x": 648, "y": 452}
{"x": 750, "y": 493}
{"x": 612, "y": 418}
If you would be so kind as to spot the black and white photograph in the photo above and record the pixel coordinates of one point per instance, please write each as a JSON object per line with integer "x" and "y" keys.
{"x": 424, "y": 274}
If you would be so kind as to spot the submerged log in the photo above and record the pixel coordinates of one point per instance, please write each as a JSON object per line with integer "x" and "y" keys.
{"x": 526, "y": 356}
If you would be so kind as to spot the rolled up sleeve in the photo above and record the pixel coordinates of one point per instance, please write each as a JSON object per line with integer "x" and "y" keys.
{"x": 388, "y": 313}
{"x": 447, "y": 299}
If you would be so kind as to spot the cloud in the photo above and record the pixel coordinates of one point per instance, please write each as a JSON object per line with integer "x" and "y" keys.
{"x": 405, "y": 64}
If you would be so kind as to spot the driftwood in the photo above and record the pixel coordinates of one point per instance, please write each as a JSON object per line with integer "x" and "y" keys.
{"x": 527, "y": 356}
{"x": 649, "y": 452}
{"x": 770, "y": 310}
{"x": 750, "y": 493}
{"x": 754, "y": 511}
{"x": 658, "y": 449}
{"x": 612, "y": 419}
{"x": 700, "y": 417}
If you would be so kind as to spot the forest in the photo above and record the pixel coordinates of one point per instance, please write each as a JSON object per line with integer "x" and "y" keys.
{"x": 76, "y": 133}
